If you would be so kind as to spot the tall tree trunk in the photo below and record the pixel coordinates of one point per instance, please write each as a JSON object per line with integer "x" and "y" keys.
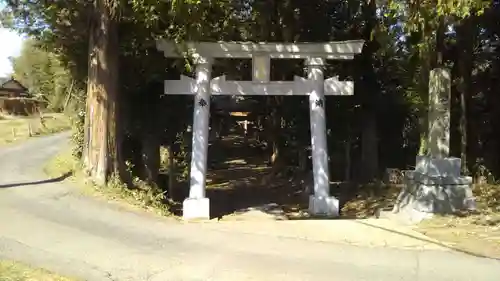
{"x": 424, "y": 93}
{"x": 437, "y": 55}
{"x": 466, "y": 42}
{"x": 101, "y": 154}
{"x": 274, "y": 134}
{"x": 347, "y": 155}
{"x": 89, "y": 112}
{"x": 369, "y": 146}
{"x": 171, "y": 171}
{"x": 369, "y": 136}
{"x": 150, "y": 157}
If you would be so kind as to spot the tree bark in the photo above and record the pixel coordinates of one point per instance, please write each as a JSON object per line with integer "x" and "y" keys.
{"x": 274, "y": 132}
{"x": 466, "y": 42}
{"x": 171, "y": 172}
{"x": 151, "y": 158}
{"x": 347, "y": 159}
{"x": 437, "y": 56}
{"x": 424, "y": 93}
{"x": 101, "y": 152}
{"x": 369, "y": 133}
{"x": 369, "y": 146}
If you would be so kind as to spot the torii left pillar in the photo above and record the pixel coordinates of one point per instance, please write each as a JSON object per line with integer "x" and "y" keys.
{"x": 321, "y": 203}
{"x": 197, "y": 205}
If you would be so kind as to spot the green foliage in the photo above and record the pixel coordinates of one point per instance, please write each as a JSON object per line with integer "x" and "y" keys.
{"x": 423, "y": 15}
{"x": 78, "y": 134}
{"x": 43, "y": 74}
{"x": 143, "y": 194}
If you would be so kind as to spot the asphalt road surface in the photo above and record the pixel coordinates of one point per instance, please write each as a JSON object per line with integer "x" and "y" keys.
{"x": 51, "y": 225}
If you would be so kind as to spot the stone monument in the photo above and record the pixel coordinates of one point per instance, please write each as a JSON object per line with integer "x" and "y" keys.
{"x": 436, "y": 186}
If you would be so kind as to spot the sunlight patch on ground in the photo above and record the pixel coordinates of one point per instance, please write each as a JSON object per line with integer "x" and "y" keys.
{"x": 219, "y": 185}
{"x": 270, "y": 211}
{"x": 236, "y": 162}
{"x": 15, "y": 271}
{"x": 464, "y": 234}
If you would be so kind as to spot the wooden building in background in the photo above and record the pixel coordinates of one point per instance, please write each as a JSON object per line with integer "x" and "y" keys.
{"x": 15, "y": 99}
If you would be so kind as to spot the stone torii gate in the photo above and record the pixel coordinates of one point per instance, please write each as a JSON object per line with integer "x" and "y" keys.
{"x": 197, "y": 205}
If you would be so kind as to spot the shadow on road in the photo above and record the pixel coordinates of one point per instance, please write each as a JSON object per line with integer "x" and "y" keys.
{"x": 58, "y": 179}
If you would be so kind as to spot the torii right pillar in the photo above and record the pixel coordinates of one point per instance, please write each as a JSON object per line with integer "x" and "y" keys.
{"x": 321, "y": 203}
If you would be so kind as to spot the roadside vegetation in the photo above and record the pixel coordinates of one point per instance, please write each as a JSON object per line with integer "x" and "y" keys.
{"x": 16, "y": 271}
{"x": 144, "y": 197}
{"x": 14, "y": 129}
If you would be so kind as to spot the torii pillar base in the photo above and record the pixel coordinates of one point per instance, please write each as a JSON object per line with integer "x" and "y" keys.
{"x": 323, "y": 206}
{"x": 196, "y": 209}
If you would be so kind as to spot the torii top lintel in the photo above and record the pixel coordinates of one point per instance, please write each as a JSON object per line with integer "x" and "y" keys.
{"x": 341, "y": 50}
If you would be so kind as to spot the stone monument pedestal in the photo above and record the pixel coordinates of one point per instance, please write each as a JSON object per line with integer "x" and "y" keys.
{"x": 434, "y": 187}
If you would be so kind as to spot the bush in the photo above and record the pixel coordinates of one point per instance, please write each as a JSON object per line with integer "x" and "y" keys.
{"x": 487, "y": 197}
{"x": 78, "y": 136}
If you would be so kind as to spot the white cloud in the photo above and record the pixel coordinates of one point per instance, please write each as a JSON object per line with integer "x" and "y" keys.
{"x": 10, "y": 46}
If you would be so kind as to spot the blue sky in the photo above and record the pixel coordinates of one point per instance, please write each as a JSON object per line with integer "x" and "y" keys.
{"x": 10, "y": 46}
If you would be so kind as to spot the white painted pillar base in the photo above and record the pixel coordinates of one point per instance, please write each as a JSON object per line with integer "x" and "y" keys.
{"x": 324, "y": 206}
{"x": 197, "y": 206}
{"x": 321, "y": 203}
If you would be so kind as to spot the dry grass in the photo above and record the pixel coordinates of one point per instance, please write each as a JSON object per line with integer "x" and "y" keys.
{"x": 464, "y": 234}
{"x": 15, "y": 129}
{"x": 477, "y": 232}
{"x": 367, "y": 200}
{"x": 15, "y": 271}
{"x": 474, "y": 232}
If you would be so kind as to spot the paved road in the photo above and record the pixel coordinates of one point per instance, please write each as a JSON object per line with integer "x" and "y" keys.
{"x": 51, "y": 225}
